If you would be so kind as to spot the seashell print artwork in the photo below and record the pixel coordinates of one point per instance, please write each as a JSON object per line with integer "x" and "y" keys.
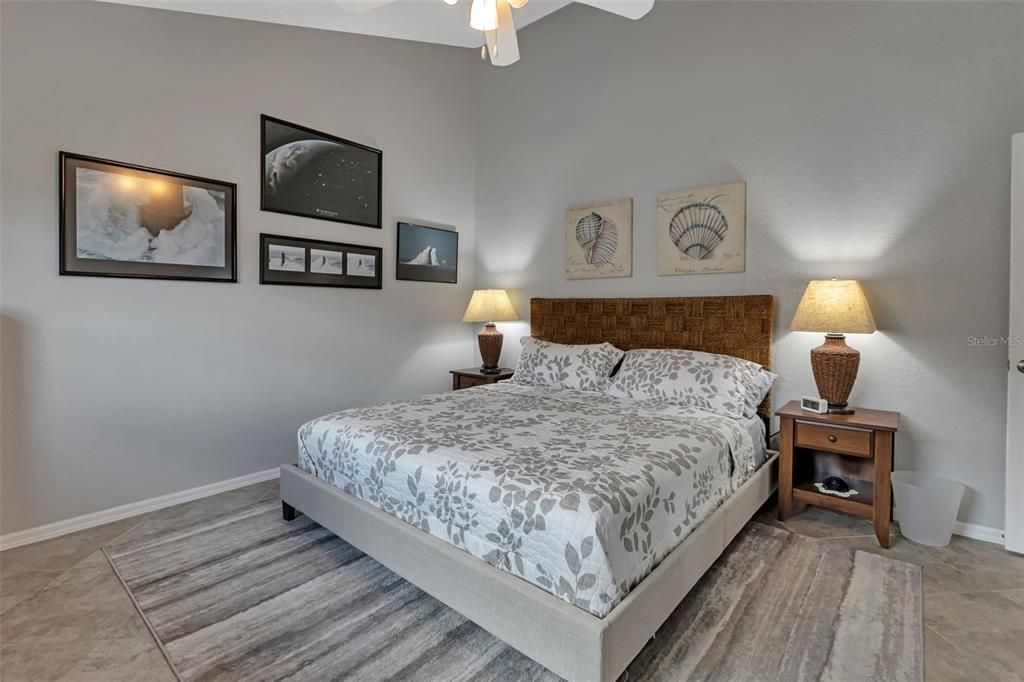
{"x": 598, "y": 237}
{"x": 599, "y": 240}
{"x": 702, "y": 230}
{"x": 697, "y": 228}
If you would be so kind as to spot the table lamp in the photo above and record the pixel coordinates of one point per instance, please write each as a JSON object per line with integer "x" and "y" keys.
{"x": 490, "y": 306}
{"x": 836, "y": 307}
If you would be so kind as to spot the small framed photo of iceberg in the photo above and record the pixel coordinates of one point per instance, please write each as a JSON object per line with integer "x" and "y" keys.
{"x": 317, "y": 175}
{"x": 316, "y": 263}
{"x": 427, "y": 254}
{"x": 122, "y": 220}
{"x": 703, "y": 231}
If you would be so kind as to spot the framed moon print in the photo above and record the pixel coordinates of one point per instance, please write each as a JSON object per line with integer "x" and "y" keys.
{"x": 123, "y": 220}
{"x": 316, "y": 263}
{"x": 316, "y": 175}
{"x": 599, "y": 240}
{"x": 703, "y": 231}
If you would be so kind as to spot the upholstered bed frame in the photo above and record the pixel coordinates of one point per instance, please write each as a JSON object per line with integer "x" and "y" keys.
{"x": 568, "y": 640}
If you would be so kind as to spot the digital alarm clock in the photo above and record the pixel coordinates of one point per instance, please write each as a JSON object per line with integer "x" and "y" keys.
{"x": 819, "y": 405}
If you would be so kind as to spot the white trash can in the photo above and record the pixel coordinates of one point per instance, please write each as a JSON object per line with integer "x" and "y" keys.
{"x": 926, "y": 506}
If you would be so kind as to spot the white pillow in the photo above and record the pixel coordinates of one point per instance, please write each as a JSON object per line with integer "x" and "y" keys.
{"x": 717, "y": 383}
{"x": 760, "y": 384}
{"x": 576, "y": 367}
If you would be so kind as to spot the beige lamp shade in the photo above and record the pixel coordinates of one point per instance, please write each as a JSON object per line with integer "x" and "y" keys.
{"x": 490, "y": 305}
{"x": 835, "y": 306}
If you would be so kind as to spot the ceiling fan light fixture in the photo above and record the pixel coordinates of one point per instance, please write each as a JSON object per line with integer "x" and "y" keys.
{"x": 483, "y": 15}
{"x": 451, "y": 2}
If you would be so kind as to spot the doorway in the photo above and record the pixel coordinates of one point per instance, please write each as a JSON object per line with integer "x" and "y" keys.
{"x": 1015, "y": 346}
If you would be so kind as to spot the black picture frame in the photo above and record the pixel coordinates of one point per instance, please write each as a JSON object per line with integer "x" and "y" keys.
{"x": 412, "y": 238}
{"x": 290, "y": 274}
{"x": 161, "y": 211}
{"x": 290, "y": 196}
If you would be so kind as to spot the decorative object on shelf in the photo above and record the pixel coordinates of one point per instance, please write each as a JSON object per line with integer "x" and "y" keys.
{"x": 836, "y": 307}
{"x": 122, "y": 220}
{"x": 316, "y": 175}
{"x": 703, "y": 231}
{"x": 316, "y": 263}
{"x": 490, "y": 306}
{"x": 494, "y": 19}
{"x": 427, "y": 254}
{"x": 599, "y": 240}
{"x": 833, "y": 485}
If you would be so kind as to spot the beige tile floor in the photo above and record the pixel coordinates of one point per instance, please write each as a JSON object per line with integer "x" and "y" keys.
{"x": 65, "y": 616}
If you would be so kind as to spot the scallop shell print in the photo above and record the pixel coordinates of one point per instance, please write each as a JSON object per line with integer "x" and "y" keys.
{"x": 697, "y": 228}
{"x": 598, "y": 237}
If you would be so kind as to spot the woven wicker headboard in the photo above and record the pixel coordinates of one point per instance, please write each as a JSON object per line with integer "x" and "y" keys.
{"x": 740, "y": 326}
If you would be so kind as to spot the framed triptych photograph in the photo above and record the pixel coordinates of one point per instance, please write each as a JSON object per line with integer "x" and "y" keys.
{"x": 313, "y": 262}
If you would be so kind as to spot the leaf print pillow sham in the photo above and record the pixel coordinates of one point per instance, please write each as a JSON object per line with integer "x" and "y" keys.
{"x": 760, "y": 384}
{"x": 717, "y": 383}
{"x": 576, "y": 367}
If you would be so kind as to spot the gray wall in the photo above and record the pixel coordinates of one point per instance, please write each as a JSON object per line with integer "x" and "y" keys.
{"x": 875, "y": 141}
{"x": 120, "y": 390}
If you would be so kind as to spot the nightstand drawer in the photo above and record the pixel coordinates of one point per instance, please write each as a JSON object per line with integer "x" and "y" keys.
{"x": 833, "y": 439}
{"x": 470, "y": 382}
{"x": 474, "y": 376}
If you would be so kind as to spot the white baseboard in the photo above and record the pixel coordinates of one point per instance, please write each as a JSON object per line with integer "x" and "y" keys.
{"x": 52, "y": 530}
{"x": 976, "y": 532}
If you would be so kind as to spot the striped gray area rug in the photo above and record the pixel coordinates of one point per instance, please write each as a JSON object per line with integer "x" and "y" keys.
{"x": 249, "y": 597}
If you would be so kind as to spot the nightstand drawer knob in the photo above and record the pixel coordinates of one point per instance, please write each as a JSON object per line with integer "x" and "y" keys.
{"x": 832, "y": 438}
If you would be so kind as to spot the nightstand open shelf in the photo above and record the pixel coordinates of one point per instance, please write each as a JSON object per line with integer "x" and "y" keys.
{"x": 861, "y": 504}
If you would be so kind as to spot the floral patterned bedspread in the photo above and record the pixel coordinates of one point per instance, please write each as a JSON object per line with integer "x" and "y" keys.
{"x": 581, "y": 494}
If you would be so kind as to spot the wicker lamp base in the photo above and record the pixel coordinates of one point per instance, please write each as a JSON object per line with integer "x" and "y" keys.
{"x": 835, "y": 366}
{"x": 490, "y": 340}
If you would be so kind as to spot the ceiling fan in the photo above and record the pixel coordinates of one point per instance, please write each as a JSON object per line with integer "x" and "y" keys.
{"x": 494, "y": 19}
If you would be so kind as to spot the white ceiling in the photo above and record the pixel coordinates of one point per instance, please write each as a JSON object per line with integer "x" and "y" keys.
{"x": 428, "y": 21}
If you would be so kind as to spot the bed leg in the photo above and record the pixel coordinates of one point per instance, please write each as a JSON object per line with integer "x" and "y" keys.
{"x": 288, "y": 512}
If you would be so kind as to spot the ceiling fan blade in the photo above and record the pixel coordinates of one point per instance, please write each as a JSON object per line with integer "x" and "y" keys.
{"x": 631, "y": 9}
{"x": 503, "y": 44}
{"x": 360, "y": 6}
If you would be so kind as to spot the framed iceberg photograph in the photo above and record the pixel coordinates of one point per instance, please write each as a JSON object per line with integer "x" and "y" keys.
{"x": 316, "y": 263}
{"x": 427, "y": 254}
{"x": 123, "y": 220}
{"x": 317, "y": 175}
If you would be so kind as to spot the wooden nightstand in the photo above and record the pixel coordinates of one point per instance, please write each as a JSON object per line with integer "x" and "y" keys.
{"x": 856, "y": 447}
{"x": 474, "y": 376}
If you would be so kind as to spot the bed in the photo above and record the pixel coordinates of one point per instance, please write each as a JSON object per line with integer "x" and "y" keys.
{"x": 568, "y": 524}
